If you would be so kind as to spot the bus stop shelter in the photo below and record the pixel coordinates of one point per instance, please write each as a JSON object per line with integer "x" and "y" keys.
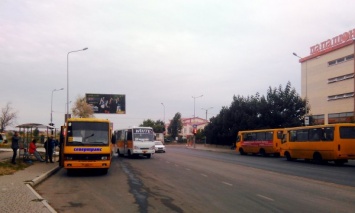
{"x": 26, "y": 135}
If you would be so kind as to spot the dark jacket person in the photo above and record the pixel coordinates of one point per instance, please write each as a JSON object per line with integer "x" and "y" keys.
{"x": 49, "y": 145}
{"x": 14, "y": 146}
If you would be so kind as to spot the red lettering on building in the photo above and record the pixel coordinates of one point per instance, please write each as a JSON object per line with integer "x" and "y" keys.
{"x": 330, "y": 43}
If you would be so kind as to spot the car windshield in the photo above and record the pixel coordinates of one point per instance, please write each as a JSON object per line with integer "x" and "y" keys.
{"x": 158, "y": 143}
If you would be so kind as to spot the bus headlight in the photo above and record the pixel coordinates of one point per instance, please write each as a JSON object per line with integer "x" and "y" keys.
{"x": 153, "y": 147}
{"x": 104, "y": 158}
{"x": 136, "y": 147}
{"x": 68, "y": 158}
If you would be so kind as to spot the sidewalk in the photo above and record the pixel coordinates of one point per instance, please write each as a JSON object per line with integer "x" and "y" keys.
{"x": 17, "y": 194}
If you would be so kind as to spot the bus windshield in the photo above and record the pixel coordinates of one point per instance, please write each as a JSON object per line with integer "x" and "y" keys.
{"x": 88, "y": 133}
{"x": 143, "y": 134}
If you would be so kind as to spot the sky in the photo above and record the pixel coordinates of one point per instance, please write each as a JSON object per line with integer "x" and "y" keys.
{"x": 159, "y": 53}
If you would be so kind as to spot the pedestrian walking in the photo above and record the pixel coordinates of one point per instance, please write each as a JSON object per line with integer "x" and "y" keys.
{"x": 14, "y": 146}
{"x": 49, "y": 145}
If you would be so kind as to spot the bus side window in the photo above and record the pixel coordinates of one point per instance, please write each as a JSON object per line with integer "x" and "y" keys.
{"x": 238, "y": 138}
{"x": 129, "y": 136}
{"x": 113, "y": 138}
{"x": 293, "y": 136}
{"x": 329, "y": 134}
{"x": 283, "y": 138}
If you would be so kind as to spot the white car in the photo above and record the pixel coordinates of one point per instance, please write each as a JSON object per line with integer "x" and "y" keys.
{"x": 159, "y": 146}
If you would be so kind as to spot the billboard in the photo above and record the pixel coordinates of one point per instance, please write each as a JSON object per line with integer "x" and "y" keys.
{"x": 107, "y": 103}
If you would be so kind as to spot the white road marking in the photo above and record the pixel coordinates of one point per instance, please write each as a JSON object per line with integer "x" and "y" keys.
{"x": 204, "y": 175}
{"x": 188, "y": 169}
{"x": 266, "y": 198}
{"x": 229, "y": 184}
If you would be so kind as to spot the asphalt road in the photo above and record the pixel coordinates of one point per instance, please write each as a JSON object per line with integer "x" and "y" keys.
{"x": 186, "y": 180}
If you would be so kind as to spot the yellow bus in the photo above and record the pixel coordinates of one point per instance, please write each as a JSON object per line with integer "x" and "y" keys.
{"x": 332, "y": 142}
{"x": 135, "y": 141}
{"x": 263, "y": 142}
{"x": 87, "y": 144}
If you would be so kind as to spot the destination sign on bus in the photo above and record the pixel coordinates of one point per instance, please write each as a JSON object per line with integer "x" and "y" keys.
{"x": 139, "y": 131}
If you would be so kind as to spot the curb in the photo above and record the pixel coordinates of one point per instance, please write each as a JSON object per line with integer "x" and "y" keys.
{"x": 38, "y": 180}
{"x": 43, "y": 201}
{"x": 42, "y": 177}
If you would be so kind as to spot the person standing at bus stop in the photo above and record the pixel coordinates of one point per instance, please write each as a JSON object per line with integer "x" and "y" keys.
{"x": 49, "y": 145}
{"x": 14, "y": 146}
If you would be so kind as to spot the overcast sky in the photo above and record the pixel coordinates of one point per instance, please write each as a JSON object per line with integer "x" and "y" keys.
{"x": 156, "y": 51}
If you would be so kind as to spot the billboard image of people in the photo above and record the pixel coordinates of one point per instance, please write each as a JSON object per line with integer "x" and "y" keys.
{"x": 107, "y": 103}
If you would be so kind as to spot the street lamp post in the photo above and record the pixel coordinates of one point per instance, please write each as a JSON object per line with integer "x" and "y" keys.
{"x": 195, "y": 103}
{"x": 51, "y": 123}
{"x": 164, "y": 115}
{"x": 207, "y": 111}
{"x": 67, "y": 113}
{"x": 65, "y": 106}
{"x": 306, "y": 93}
{"x": 206, "y": 120}
{"x": 194, "y": 97}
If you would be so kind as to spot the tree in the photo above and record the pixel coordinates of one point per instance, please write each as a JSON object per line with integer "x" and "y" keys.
{"x": 148, "y": 123}
{"x": 175, "y": 125}
{"x": 158, "y": 126}
{"x": 8, "y": 116}
{"x": 81, "y": 109}
{"x": 278, "y": 109}
{"x": 36, "y": 133}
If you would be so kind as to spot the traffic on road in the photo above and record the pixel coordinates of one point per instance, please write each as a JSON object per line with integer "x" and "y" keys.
{"x": 192, "y": 180}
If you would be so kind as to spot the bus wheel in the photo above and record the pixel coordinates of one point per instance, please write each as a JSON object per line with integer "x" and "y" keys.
{"x": 288, "y": 156}
{"x": 241, "y": 151}
{"x": 119, "y": 154}
{"x": 104, "y": 171}
{"x": 70, "y": 172}
{"x": 262, "y": 152}
{"x": 317, "y": 158}
{"x": 340, "y": 162}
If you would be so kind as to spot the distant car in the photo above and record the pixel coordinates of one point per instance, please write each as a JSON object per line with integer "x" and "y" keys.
{"x": 159, "y": 146}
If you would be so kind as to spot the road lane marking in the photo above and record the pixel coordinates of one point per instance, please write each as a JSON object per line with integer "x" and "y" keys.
{"x": 188, "y": 169}
{"x": 266, "y": 198}
{"x": 204, "y": 175}
{"x": 229, "y": 184}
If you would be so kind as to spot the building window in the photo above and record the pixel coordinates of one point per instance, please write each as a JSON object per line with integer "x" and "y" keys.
{"x": 318, "y": 119}
{"x": 341, "y": 117}
{"x": 341, "y": 78}
{"x": 340, "y": 60}
{"x": 340, "y": 96}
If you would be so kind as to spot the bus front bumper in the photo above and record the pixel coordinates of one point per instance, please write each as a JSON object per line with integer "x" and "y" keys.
{"x": 86, "y": 164}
